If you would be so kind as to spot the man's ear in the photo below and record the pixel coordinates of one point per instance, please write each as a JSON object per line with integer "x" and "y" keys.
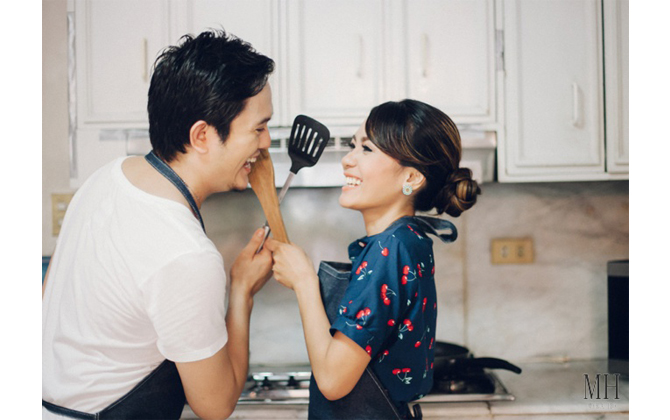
{"x": 415, "y": 179}
{"x": 198, "y": 136}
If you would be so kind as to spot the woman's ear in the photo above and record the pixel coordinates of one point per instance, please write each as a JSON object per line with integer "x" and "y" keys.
{"x": 198, "y": 136}
{"x": 415, "y": 179}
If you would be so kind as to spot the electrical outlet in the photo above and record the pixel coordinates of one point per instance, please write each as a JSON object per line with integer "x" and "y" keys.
{"x": 512, "y": 251}
{"x": 59, "y": 203}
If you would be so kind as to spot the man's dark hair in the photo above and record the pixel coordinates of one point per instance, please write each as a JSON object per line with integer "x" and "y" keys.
{"x": 207, "y": 78}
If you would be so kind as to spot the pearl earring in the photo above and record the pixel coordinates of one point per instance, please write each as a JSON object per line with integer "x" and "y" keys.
{"x": 407, "y": 189}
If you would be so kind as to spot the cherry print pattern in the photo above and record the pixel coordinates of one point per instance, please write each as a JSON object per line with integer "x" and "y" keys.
{"x": 407, "y": 275}
{"x": 415, "y": 232}
{"x": 363, "y": 268}
{"x": 385, "y": 291}
{"x": 385, "y": 251}
{"x": 362, "y": 318}
{"x": 406, "y": 326}
{"x": 383, "y": 355}
{"x": 402, "y": 375}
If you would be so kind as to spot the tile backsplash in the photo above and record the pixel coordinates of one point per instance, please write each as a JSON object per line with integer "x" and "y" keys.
{"x": 555, "y": 307}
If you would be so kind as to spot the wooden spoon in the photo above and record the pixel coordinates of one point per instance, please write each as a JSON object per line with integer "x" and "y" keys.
{"x": 262, "y": 180}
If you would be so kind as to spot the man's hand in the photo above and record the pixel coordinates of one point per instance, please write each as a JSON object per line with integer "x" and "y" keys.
{"x": 251, "y": 271}
{"x": 292, "y": 267}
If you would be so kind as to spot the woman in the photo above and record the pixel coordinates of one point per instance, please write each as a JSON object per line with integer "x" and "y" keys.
{"x": 404, "y": 158}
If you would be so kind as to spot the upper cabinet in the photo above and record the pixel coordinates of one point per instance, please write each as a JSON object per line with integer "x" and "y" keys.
{"x": 554, "y": 97}
{"x": 348, "y": 56}
{"x": 116, "y": 44}
{"x": 544, "y": 81}
{"x": 450, "y": 57}
{"x": 335, "y": 58}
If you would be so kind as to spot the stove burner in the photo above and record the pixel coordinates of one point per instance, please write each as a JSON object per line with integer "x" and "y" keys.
{"x": 292, "y": 387}
{"x": 286, "y": 387}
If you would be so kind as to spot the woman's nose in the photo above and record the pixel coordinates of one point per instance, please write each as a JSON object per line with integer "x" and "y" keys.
{"x": 348, "y": 160}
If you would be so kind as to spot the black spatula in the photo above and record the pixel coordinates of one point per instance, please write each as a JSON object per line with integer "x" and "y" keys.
{"x": 308, "y": 140}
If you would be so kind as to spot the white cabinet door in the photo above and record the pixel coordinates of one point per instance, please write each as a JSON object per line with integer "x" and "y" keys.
{"x": 116, "y": 45}
{"x": 335, "y": 61}
{"x": 256, "y": 22}
{"x": 553, "y": 90}
{"x": 615, "y": 14}
{"x": 450, "y": 57}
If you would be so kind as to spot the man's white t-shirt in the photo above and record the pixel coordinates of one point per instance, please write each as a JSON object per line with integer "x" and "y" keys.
{"x": 133, "y": 280}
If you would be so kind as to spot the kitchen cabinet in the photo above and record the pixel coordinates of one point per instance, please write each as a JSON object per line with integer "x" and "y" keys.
{"x": 113, "y": 48}
{"x": 116, "y": 43}
{"x": 554, "y": 97}
{"x": 346, "y": 57}
{"x": 450, "y": 57}
{"x": 335, "y": 58}
{"x": 116, "y": 47}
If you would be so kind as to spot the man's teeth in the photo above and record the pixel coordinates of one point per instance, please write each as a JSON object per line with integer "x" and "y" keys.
{"x": 353, "y": 181}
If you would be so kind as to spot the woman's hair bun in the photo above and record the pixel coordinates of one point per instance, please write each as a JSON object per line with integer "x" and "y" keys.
{"x": 458, "y": 194}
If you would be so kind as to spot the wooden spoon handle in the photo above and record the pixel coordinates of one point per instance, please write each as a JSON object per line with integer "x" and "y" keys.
{"x": 262, "y": 181}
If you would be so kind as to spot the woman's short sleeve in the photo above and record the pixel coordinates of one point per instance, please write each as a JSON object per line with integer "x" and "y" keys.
{"x": 380, "y": 290}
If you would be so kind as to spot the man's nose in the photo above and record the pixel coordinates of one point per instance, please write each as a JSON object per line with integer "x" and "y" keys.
{"x": 265, "y": 140}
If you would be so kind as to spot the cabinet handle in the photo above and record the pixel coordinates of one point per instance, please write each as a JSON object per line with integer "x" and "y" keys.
{"x": 424, "y": 55}
{"x": 361, "y": 56}
{"x": 145, "y": 60}
{"x": 576, "y": 106}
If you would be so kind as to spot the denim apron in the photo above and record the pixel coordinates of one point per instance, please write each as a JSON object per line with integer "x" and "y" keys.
{"x": 160, "y": 395}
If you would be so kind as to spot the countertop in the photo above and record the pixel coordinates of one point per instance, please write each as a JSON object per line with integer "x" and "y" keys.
{"x": 544, "y": 391}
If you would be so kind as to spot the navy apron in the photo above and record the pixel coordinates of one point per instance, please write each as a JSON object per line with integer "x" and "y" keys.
{"x": 369, "y": 399}
{"x": 160, "y": 395}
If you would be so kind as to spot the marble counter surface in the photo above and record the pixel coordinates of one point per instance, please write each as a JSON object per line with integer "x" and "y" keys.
{"x": 544, "y": 391}
{"x": 555, "y": 388}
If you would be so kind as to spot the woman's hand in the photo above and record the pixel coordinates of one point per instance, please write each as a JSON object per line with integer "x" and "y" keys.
{"x": 292, "y": 267}
{"x": 251, "y": 271}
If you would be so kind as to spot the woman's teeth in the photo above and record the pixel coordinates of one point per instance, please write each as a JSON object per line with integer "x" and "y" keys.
{"x": 353, "y": 181}
{"x": 251, "y": 160}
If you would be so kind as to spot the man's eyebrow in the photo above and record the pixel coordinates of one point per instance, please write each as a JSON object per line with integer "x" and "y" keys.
{"x": 264, "y": 120}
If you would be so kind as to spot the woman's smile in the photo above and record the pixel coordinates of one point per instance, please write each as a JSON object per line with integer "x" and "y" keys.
{"x": 351, "y": 182}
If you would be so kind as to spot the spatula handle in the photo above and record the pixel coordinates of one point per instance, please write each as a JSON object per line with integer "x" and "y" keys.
{"x": 287, "y": 184}
{"x": 280, "y": 197}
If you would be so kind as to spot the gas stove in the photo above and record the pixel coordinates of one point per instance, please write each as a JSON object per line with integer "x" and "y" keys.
{"x": 278, "y": 385}
{"x": 290, "y": 385}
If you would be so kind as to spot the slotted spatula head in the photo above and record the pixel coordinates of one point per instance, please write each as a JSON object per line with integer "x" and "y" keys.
{"x": 308, "y": 140}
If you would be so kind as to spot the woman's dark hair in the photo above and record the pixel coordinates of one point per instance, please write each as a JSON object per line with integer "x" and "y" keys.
{"x": 421, "y": 136}
{"x": 207, "y": 78}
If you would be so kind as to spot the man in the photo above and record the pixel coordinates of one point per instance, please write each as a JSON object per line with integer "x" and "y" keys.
{"x": 135, "y": 284}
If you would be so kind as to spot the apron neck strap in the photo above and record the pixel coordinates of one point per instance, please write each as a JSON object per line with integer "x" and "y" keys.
{"x": 433, "y": 224}
{"x": 176, "y": 180}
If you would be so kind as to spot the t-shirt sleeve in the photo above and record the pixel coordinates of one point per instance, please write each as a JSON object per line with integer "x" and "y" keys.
{"x": 185, "y": 301}
{"x": 371, "y": 312}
